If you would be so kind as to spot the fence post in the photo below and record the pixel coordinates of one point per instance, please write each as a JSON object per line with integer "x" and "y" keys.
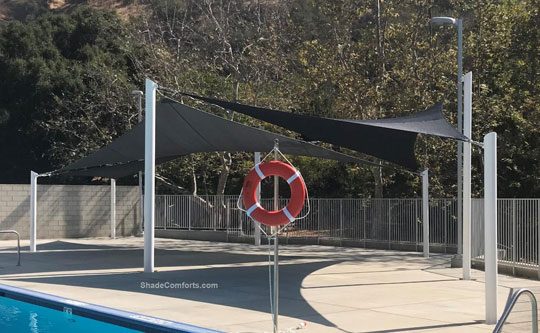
{"x": 318, "y": 221}
{"x": 189, "y": 212}
{"x": 228, "y": 217}
{"x": 538, "y": 237}
{"x": 165, "y": 211}
{"x": 341, "y": 221}
{"x": 389, "y": 226}
{"x": 445, "y": 233}
{"x": 218, "y": 215}
{"x": 365, "y": 202}
{"x": 514, "y": 254}
{"x": 416, "y": 224}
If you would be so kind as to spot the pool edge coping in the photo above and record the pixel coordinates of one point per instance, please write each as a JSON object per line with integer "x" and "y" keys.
{"x": 93, "y": 310}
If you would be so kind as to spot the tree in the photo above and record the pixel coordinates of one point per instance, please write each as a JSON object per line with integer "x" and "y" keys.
{"x": 66, "y": 83}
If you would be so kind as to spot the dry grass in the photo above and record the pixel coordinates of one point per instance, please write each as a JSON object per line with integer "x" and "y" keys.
{"x": 56, "y": 4}
{"x": 124, "y": 9}
{"x": 10, "y": 9}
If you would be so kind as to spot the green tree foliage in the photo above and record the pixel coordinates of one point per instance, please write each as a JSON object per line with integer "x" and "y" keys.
{"x": 65, "y": 88}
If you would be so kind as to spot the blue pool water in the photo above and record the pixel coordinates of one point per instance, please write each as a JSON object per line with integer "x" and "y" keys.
{"x": 22, "y": 317}
{"x": 27, "y": 311}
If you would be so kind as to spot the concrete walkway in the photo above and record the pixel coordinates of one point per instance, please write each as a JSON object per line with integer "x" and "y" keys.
{"x": 331, "y": 289}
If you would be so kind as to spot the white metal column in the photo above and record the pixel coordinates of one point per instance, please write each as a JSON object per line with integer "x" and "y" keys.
{"x": 467, "y": 213}
{"x": 257, "y": 231}
{"x": 150, "y": 173}
{"x": 33, "y": 210}
{"x": 425, "y": 212}
{"x": 113, "y": 208}
{"x": 139, "y": 94}
{"x": 490, "y": 225}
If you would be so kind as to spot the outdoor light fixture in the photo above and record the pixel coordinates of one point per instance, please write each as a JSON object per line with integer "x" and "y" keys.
{"x": 458, "y": 23}
{"x": 441, "y": 20}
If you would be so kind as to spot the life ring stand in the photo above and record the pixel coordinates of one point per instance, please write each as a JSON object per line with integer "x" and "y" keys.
{"x": 277, "y": 217}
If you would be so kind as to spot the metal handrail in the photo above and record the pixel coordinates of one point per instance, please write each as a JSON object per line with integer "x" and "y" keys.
{"x": 18, "y": 242}
{"x": 512, "y": 299}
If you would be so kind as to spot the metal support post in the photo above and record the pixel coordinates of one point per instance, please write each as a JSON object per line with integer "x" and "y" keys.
{"x": 425, "y": 212}
{"x": 256, "y": 225}
{"x": 490, "y": 226}
{"x": 113, "y": 208}
{"x": 150, "y": 173}
{"x": 276, "y": 247}
{"x": 33, "y": 211}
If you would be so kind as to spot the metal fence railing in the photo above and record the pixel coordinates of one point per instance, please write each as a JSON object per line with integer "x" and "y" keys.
{"x": 518, "y": 233}
{"x": 384, "y": 222}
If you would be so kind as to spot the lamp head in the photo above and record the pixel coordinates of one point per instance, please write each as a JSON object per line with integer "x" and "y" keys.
{"x": 441, "y": 20}
{"x": 136, "y": 93}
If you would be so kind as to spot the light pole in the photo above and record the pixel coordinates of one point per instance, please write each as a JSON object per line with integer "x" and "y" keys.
{"x": 138, "y": 95}
{"x": 458, "y": 23}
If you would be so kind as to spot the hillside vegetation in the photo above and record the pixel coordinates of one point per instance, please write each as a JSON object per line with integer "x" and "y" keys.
{"x": 68, "y": 69}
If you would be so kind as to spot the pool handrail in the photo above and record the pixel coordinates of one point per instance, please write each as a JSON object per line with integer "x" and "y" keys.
{"x": 512, "y": 299}
{"x": 18, "y": 242}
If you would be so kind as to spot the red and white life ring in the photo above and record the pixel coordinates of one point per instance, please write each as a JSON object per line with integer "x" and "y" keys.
{"x": 296, "y": 202}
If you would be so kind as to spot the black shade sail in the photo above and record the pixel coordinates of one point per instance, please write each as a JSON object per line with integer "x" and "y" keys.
{"x": 391, "y": 139}
{"x": 183, "y": 130}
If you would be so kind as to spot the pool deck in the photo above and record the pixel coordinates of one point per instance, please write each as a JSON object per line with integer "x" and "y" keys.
{"x": 331, "y": 289}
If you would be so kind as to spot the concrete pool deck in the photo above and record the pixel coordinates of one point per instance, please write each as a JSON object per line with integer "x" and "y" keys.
{"x": 332, "y": 289}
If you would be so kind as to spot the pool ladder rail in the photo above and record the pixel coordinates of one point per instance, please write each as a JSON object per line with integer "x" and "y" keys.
{"x": 18, "y": 243}
{"x": 512, "y": 300}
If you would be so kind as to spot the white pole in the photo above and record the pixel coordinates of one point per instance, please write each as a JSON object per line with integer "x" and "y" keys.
{"x": 141, "y": 196}
{"x": 139, "y": 94}
{"x": 459, "y": 26}
{"x": 276, "y": 246}
{"x": 257, "y": 232}
{"x": 113, "y": 208}
{"x": 467, "y": 130}
{"x": 425, "y": 211}
{"x": 33, "y": 210}
{"x": 150, "y": 173}
{"x": 490, "y": 225}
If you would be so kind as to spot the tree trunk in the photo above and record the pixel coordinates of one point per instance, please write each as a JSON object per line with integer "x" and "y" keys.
{"x": 226, "y": 159}
{"x": 194, "y": 177}
{"x": 378, "y": 216}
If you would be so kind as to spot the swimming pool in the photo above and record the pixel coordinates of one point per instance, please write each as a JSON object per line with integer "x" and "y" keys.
{"x": 23, "y": 310}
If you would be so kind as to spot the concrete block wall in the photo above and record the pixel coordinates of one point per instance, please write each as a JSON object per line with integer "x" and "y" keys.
{"x": 69, "y": 211}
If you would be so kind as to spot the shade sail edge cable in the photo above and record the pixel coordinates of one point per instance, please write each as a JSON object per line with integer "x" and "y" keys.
{"x": 435, "y": 109}
{"x": 63, "y": 171}
{"x": 187, "y": 122}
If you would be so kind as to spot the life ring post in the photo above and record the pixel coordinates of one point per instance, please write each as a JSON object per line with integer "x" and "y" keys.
{"x": 278, "y": 218}
{"x": 276, "y": 244}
